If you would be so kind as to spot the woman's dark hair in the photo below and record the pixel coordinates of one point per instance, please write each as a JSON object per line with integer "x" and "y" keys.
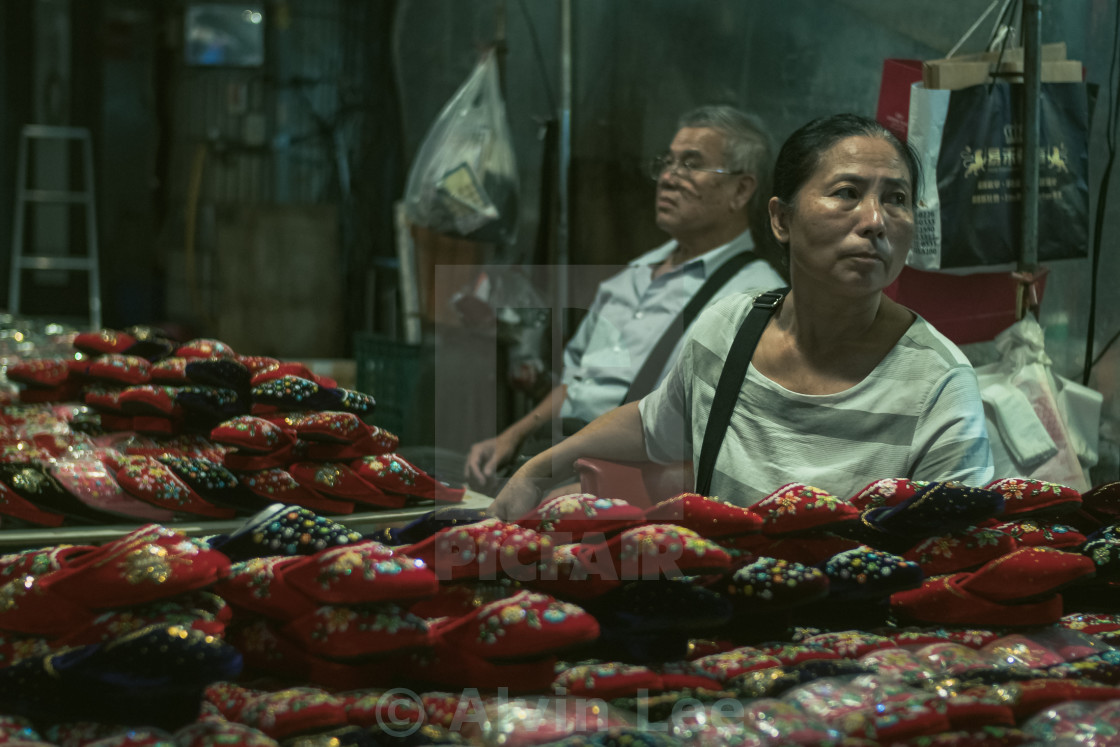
{"x": 801, "y": 153}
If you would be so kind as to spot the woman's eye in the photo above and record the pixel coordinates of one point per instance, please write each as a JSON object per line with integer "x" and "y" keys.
{"x": 847, "y": 193}
{"x": 899, "y": 198}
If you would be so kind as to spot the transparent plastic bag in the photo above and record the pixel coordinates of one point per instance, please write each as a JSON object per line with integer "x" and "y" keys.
{"x": 463, "y": 181}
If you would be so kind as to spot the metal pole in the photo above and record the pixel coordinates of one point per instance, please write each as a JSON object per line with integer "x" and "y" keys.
{"x": 561, "y": 258}
{"x": 565, "y": 149}
{"x": 1032, "y": 77}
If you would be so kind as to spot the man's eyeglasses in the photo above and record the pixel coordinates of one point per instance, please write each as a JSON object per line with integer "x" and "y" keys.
{"x": 682, "y": 168}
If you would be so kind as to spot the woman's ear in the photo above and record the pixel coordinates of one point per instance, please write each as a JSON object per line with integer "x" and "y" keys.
{"x": 745, "y": 188}
{"x": 779, "y": 219}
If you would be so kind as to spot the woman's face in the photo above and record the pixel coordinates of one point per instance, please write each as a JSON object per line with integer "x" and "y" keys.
{"x": 852, "y": 221}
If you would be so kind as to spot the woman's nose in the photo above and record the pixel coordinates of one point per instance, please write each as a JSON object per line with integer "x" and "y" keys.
{"x": 871, "y": 216}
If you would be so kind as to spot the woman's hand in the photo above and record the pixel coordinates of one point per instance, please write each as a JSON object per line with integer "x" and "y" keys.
{"x": 521, "y": 494}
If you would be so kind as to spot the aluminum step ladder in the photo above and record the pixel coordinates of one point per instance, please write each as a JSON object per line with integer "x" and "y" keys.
{"x": 27, "y": 195}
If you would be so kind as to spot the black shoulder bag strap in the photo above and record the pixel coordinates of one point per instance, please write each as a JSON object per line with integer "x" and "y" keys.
{"x": 731, "y": 382}
{"x": 654, "y": 364}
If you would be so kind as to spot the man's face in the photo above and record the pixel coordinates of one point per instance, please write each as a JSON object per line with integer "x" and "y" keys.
{"x": 692, "y": 203}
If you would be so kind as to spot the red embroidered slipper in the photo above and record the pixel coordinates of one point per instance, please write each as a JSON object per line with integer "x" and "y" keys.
{"x": 337, "y": 480}
{"x": 256, "y": 585}
{"x": 488, "y": 549}
{"x": 360, "y": 573}
{"x": 278, "y": 485}
{"x": 797, "y": 508}
{"x": 253, "y": 435}
{"x": 124, "y": 370}
{"x": 528, "y": 624}
{"x": 960, "y": 551}
{"x": 148, "y": 564}
{"x": 103, "y": 341}
{"x": 45, "y": 373}
{"x": 153, "y": 482}
{"x": 889, "y": 491}
{"x": 393, "y": 473}
{"x": 204, "y": 347}
{"x": 568, "y": 518}
{"x": 709, "y": 517}
{"x": 942, "y": 601}
{"x": 1026, "y": 574}
{"x": 354, "y": 632}
{"x": 1028, "y": 497}
{"x": 654, "y": 551}
{"x": 562, "y": 574}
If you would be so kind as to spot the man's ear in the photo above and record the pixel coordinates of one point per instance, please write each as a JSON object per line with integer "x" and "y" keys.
{"x": 745, "y": 188}
{"x": 779, "y": 219}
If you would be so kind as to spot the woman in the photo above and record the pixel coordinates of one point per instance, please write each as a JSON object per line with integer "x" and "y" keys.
{"x": 845, "y": 386}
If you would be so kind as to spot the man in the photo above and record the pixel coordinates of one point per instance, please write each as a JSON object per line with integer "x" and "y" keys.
{"x": 713, "y": 185}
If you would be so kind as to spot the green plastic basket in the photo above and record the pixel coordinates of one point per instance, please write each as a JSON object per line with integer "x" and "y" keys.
{"x": 392, "y": 371}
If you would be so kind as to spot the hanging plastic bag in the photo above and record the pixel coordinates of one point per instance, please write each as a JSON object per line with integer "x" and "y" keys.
{"x": 1040, "y": 424}
{"x": 967, "y": 130}
{"x": 463, "y": 181}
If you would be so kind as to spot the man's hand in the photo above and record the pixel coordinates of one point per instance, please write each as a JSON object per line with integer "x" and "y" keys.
{"x": 485, "y": 457}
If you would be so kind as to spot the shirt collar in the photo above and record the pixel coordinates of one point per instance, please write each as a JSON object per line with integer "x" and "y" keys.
{"x": 709, "y": 260}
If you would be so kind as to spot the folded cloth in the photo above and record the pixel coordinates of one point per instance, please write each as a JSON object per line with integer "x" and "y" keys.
{"x": 1022, "y": 433}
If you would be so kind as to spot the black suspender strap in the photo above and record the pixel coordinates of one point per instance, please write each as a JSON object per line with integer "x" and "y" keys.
{"x": 731, "y": 382}
{"x": 654, "y": 364}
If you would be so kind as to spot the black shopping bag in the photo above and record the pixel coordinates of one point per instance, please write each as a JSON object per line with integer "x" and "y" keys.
{"x": 980, "y": 174}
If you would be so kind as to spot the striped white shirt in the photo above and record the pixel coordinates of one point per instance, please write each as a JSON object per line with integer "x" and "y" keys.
{"x": 918, "y": 415}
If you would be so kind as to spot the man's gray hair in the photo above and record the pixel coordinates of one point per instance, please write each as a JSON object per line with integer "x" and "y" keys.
{"x": 748, "y": 147}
